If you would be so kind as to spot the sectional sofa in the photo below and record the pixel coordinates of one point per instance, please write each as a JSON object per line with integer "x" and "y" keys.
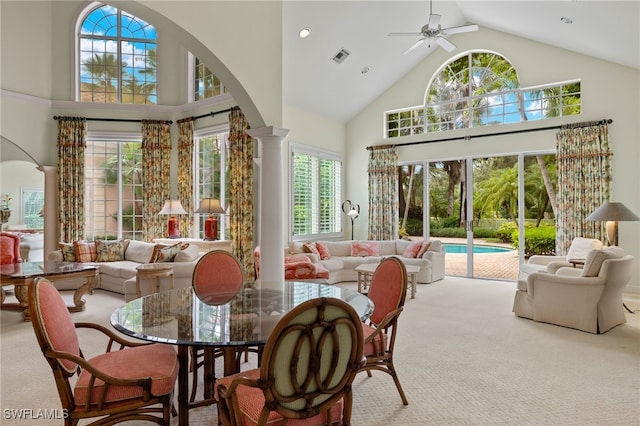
{"x": 119, "y": 275}
{"x": 341, "y": 258}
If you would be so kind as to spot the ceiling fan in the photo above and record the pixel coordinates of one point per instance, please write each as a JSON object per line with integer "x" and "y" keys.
{"x": 432, "y": 31}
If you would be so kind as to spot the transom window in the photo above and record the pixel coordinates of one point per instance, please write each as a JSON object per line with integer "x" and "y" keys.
{"x": 117, "y": 58}
{"x": 316, "y": 193}
{"x": 482, "y": 89}
{"x": 206, "y": 84}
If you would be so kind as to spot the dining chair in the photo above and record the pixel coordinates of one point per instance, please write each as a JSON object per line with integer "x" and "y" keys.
{"x": 308, "y": 366}
{"x": 130, "y": 381}
{"x": 217, "y": 278}
{"x": 387, "y": 290}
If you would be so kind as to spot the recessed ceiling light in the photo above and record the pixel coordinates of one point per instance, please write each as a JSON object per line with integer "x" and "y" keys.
{"x": 566, "y": 20}
{"x": 365, "y": 70}
{"x": 304, "y": 33}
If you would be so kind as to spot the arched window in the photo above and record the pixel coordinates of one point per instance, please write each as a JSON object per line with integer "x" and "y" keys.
{"x": 117, "y": 58}
{"x": 478, "y": 89}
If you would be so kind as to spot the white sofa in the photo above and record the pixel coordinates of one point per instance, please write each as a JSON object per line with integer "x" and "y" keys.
{"x": 120, "y": 276}
{"x": 341, "y": 265}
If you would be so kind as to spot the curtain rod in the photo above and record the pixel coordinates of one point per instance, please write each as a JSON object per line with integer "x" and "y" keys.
{"x": 211, "y": 114}
{"x": 511, "y": 132}
{"x": 124, "y": 120}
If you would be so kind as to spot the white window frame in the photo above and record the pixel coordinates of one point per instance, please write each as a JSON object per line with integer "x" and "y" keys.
{"x": 325, "y": 155}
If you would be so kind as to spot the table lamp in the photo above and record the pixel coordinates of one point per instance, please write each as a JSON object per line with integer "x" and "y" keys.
{"x": 211, "y": 206}
{"x": 613, "y": 212}
{"x": 173, "y": 208}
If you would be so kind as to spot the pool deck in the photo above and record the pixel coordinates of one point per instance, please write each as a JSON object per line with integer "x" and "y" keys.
{"x": 499, "y": 266}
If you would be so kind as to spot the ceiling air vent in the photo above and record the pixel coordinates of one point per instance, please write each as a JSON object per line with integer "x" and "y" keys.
{"x": 341, "y": 56}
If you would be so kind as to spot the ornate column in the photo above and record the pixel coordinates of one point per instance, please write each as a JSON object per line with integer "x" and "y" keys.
{"x": 271, "y": 217}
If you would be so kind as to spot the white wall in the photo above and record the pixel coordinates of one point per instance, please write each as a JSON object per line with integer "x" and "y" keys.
{"x": 14, "y": 177}
{"x": 608, "y": 91}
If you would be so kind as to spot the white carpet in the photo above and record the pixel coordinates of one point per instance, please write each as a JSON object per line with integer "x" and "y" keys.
{"x": 462, "y": 357}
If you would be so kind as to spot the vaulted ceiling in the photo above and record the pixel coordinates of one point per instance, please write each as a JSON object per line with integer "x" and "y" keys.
{"x": 607, "y": 30}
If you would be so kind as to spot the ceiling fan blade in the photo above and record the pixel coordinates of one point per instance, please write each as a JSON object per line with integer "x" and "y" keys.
{"x": 445, "y": 44}
{"x": 434, "y": 21}
{"x": 414, "y": 45}
{"x": 461, "y": 29}
{"x": 404, "y": 34}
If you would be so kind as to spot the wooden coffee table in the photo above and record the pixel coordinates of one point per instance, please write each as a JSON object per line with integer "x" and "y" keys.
{"x": 366, "y": 270}
{"x": 21, "y": 275}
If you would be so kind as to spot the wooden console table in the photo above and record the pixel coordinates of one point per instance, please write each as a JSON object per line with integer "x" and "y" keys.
{"x": 21, "y": 275}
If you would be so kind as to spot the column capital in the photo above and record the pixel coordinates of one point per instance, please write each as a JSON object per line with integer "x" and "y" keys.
{"x": 268, "y": 132}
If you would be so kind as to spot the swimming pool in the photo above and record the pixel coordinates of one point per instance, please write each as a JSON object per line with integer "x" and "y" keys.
{"x": 457, "y": 248}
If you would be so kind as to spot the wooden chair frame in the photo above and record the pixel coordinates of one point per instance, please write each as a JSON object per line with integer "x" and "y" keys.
{"x": 109, "y": 412}
{"x": 312, "y": 387}
{"x": 386, "y": 331}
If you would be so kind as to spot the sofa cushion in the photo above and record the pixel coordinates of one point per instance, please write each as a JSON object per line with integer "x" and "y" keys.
{"x": 85, "y": 251}
{"x": 365, "y": 248}
{"x": 339, "y": 248}
{"x": 334, "y": 264}
{"x": 387, "y": 248}
{"x": 121, "y": 269}
{"x": 295, "y": 247}
{"x": 111, "y": 251}
{"x": 310, "y": 247}
{"x": 424, "y": 247}
{"x": 139, "y": 251}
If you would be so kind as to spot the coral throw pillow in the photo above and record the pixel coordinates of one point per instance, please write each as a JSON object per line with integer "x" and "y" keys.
{"x": 310, "y": 247}
{"x": 85, "y": 251}
{"x": 424, "y": 247}
{"x": 323, "y": 250}
{"x": 412, "y": 249}
{"x": 365, "y": 248}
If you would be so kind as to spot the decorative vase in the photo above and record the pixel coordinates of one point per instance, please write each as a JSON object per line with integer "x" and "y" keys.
{"x": 4, "y": 215}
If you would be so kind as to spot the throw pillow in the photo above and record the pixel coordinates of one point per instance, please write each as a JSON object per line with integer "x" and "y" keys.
{"x": 323, "y": 249}
{"x": 365, "y": 248}
{"x": 595, "y": 258}
{"x": 580, "y": 247}
{"x": 424, "y": 247}
{"x": 310, "y": 247}
{"x": 412, "y": 249}
{"x": 295, "y": 248}
{"x": 188, "y": 254}
{"x": 140, "y": 252}
{"x": 85, "y": 251}
{"x": 167, "y": 253}
{"x": 110, "y": 251}
{"x": 68, "y": 252}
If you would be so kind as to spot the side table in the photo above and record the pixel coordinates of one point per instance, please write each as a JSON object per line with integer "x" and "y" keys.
{"x": 152, "y": 273}
{"x": 366, "y": 270}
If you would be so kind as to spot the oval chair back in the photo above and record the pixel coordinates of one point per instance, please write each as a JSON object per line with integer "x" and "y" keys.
{"x": 217, "y": 277}
{"x": 9, "y": 248}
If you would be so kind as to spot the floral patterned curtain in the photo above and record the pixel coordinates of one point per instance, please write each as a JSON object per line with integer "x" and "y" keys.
{"x": 383, "y": 193}
{"x": 241, "y": 191}
{"x": 156, "y": 161}
{"x": 72, "y": 135}
{"x": 584, "y": 180}
{"x": 185, "y": 173}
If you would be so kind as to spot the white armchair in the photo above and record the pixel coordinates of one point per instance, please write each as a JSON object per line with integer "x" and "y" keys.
{"x": 588, "y": 299}
{"x": 579, "y": 249}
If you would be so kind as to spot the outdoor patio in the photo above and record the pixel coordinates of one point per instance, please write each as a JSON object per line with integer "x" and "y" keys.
{"x": 499, "y": 266}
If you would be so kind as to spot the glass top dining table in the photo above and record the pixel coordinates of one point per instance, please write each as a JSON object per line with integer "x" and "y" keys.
{"x": 224, "y": 321}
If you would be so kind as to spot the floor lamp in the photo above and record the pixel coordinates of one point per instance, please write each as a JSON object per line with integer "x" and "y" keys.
{"x": 613, "y": 212}
{"x": 352, "y": 211}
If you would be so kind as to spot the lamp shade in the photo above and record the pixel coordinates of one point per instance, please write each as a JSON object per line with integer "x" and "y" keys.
{"x": 172, "y": 208}
{"x": 353, "y": 214}
{"x": 613, "y": 211}
{"x": 210, "y": 205}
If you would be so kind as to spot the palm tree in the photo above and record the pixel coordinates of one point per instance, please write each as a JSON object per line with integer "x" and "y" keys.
{"x": 103, "y": 68}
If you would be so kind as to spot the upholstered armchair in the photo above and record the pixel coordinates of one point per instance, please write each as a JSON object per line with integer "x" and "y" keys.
{"x": 9, "y": 254}
{"x": 579, "y": 249}
{"x": 587, "y": 299}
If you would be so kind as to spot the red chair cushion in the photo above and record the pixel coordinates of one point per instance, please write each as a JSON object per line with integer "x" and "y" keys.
{"x": 378, "y": 345}
{"x": 157, "y": 361}
{"x": 385, "y": 290}
{"x": 251, "y": 401}
{"x": 9, "y": 249}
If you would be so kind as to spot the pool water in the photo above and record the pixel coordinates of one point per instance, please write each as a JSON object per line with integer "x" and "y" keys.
{"x": 477, "y": 249}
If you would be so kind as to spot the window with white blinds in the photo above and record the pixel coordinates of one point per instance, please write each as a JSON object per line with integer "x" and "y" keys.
{"x": 316, "y": 188}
